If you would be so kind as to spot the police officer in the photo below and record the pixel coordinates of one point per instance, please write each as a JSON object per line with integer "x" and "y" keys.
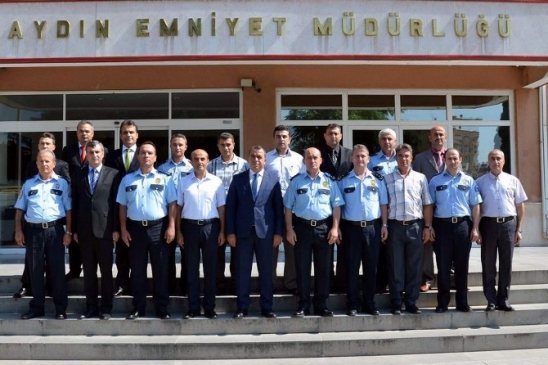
{"x": 45, "y": 204}
{"x": 364, "y": 225}
{"x": 502, "y": 214}
{"x": 225, "y": 167}
{"x": 200, "y": 227}
{"x": 146, "y": 198}
{"x": 383, "y": 163}
{"x": 315, "y": 200}
{"x": 409, "y": 227}
{"x": 455, "y": 226}
{"x": 178, "y": 166}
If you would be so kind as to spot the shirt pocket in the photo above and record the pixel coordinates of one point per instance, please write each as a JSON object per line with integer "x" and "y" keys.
{"x": 324, "y": 196}
{"x": 371, "y": 193}
{"x": 131, "y": 192}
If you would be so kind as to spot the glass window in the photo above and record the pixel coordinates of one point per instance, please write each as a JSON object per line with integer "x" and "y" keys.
{"x": 475, "y": 143}
{"x": 480, "y": 107}
{"x": 423, "y": 107}
{"x": 371, "y": 107}
{"x": 31, "y": 107}
{"x": 311, "y": 107}
{"x": 118, "y": 106}
{"x": 418, "y": 139}
{"x": 367, "y": 137}
{"x": 304, "y": 137}
{"x": 205, "y": 105}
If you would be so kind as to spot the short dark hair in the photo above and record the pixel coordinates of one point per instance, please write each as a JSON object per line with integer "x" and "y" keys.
{"x": 333, "y": 126}
{"x": 404, "y": 146}
{"x": 280, "y": 128}
{"x": 225, "y": 135}
{"x": 256, "y": 148}
{"x": 95, "y": 143}
{"x": 360, "y": 147}
{"x": 177, "y": 135}
{"x": 129, "y": 123}
{"x": 148, "y": 143}
{"x": 48, "y": 135}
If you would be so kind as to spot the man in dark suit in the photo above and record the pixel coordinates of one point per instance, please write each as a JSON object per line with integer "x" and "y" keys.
{"x": 430, "y": 163}
{"x": 337, "y": 162}
{"x": 124, "y": 160}
{"x": 46, "y": 142}
{"x": 75, "y": 155}
{"x": 96, "y": 227}
{"x": 254, "y": 224}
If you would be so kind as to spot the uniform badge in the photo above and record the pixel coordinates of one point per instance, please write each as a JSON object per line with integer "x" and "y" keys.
{"x": 324, "y": 184}
{"x": 373, "y": 183}
{"x": 158, "y": 180}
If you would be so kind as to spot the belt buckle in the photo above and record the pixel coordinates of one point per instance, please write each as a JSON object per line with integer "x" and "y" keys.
{"x": 144, "y": 222}
{"x": 45, "y": 225}
{"x": 200, "y": 222}
{"x": 405, "y": 223}
{"x": 313, "y": 223}
{"x": 500, "y": 219}
{"x": 363, "y": 224}
{"x": 454, "y": 219}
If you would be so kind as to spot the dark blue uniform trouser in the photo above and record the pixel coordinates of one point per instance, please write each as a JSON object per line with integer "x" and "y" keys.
{"x": 97, "y": 252}
{"x": 404, "y": 248}
{"x": 201, "y": 238}
{"x": 46, "y": 244}
{"x": 243, "y": 255}
{"x": 452, "y": 247}
{"x": 144, "y": 241}
{"x": 497, "y": 237}
{"x": 122, "y": 265}
{"x": 362, "y": 247}
{"x": 312, "y": 241}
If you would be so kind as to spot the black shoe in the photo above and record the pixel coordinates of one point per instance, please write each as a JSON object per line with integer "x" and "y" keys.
{"x": 413, "y": 309}
{"x": 163, "y": 315}
{"x": 324, "y": 313}
{"x": 268, "y": 314}
{"x": 490, "y": 307}
{"x": 21, "y": 293}
{"x": 506, "y": 308}
{"x": 31, "y": 315}
{"x": 240, "y": 314}
{"x": 135, "y": 314}
{"x": 60, "y": 315}
{"x": 351, "y": 312}
{"x": 105, "y": 316}
{"x": 191, "y": 314}
{"x": 300, "y": 313}
{"x": 72, "y": 275}
{"x": 464, "y": 308}
{"x": 371, "y": 311}
{"x": 89, "y": 314}
{"x": 441, "y": 309}
{"x": 211, "y": 314}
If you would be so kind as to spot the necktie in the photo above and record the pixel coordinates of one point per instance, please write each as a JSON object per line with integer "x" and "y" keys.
{"x": 93, "y": 177}
{"x": 83, "y": 154}
{"x": 127, "y": 161}
{"x": 334, "y": 158}
{"x": 254, "y": 189}
{"x": 438, "y": 161}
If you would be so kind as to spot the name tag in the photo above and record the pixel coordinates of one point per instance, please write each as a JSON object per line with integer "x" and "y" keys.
{"x": 56, "y": 192}
{"x": 349, "y": 189}
{"x": 301, "y": 191}
{"x": 463, "y": 187}
{"x": 378, "y": 168}
{"x": 324, "y": 191}
{"x": 131, "y": 188}
{"x": 33, "y": 192}
{"x": 156, "y": 187}
{"x": 372, "y": 188}
{"x": 441, "y": 187}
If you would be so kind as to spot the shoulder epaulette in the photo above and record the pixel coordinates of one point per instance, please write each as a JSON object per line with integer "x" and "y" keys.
{"x": 378, "y": 176}
{"x": 164, "y": 173}
{"x": 331, "y": 177}
{"x": 343, "y": 176}
{"x": 294, "y": 177}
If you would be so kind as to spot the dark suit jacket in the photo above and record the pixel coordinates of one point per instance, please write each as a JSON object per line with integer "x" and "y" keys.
{"x": 345, "y": 164}
{"x": 61, "y": 169}
{"x": 266, "y": 213}
{"x": 71, "y": 154}
{"x": 96, "y": 214}
{"x": 424, "y": 163}
{"x": 115, "y": 160}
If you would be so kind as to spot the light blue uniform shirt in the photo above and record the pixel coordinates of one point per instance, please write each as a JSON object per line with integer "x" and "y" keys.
{"x": 176, "y": 170}
{"x": 378, "y": 163}
{"x": 226, "y": 170}
{"x": 312, "y": 198}
{"x": 44, "y": 201}
{"x": 453, "y": 196}
{"x": 146, "y": 196}
{"x": 362, "y": 198}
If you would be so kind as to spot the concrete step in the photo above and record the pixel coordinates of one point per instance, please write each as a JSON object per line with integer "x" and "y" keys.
{"x": 525, "y": 314}
{"x": 12, "y": 283}
{"x": 520, "y": 294}
{"x": 289, "y": 345}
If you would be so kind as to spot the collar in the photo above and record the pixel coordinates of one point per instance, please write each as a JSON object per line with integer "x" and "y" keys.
{"x": 435, "y": 152}
{"x": 368, "y": 173}
{"x": 229, "y": 162}
{"x": 98, "y": 168}
{"x": 446, "y": 173}
{"x": 259, "y": 174}
{"x": 54, "y": 176}
{"x": 152, "y": 172}
{"x": 275, "y": 152}
{"x": 132, "y": 148}
{"x": 183, "y": 162}
{"x": 319, "y": 176}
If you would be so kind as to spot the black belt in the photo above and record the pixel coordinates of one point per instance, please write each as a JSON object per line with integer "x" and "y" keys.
{"x": 46, "y": 225}
{"x": 452, "y": 219}
{"x": 147, "y": 223}
{"x": 499, "y": 219}
{"x": 200, "y": 222}
{"x": 405, "y": 223}
{"x": 311, "y": 222}
{"x": 364, "y": 223}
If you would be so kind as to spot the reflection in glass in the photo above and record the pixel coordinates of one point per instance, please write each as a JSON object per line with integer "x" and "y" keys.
{"x": 371, "y": 107}
{"x": 367, "y": 137}
{"x": 304, "y": 137}
{"x": 423, "y": 107}
{"x": 480, "y": 107}
{"x": 31, "y": 107}
{"x": 418, "y": 139}
{"x": 475, "y": 143}
{"x": 117, "y": 106}
{"x": 205, "y": 105}
{"x": 311, "y": 107}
